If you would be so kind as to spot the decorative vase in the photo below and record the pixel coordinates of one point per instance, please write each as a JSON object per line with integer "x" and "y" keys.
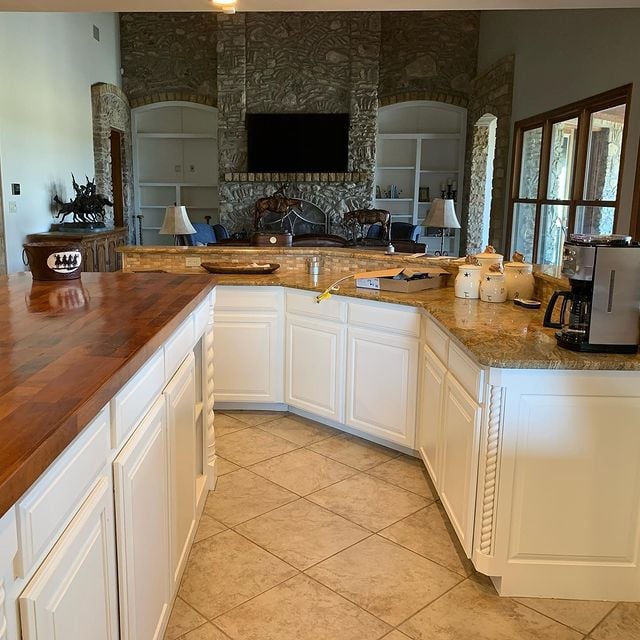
{"x": 467, "y": 283}
{"x": 493, "y": 288}
{"x": 519, "y": 280}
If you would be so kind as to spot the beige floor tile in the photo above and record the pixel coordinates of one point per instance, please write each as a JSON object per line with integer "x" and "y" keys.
{"x": 369, "y": 502}
{"x": 251, "y": 445}
{"x": 303, "y": 471}
{"x": 207, "y": 527}
{"x": 224, "y": 466}
{"x": 302, "y": 533}
{"x": 302, "y": 609}
{"x": 253, "y": 418}
{"x": 182, "y": 619}
{"x": 472, "y": 610}
{"x": 581, "y": 615}
{"x": 205, "y": 632}
{"x": 622, "y": 624}
{"x": 355, "y": 452}
{"x": 243, "y": 495}
{"x": 428, "y": 533}
{"x": 408, "y": 473}
{"x": 299, "y": 430}
{"x": 224, "y": 424}
{"x": 396, "y": 635}
{"x": 226, "y": 570}
{"x": 385, "y": 579}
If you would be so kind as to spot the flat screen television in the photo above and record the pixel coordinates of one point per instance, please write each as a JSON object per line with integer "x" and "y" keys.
{"x": 297, "y": 142}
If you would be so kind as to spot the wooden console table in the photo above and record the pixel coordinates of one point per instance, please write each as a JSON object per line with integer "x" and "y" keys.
{"x": 99, "y": 246}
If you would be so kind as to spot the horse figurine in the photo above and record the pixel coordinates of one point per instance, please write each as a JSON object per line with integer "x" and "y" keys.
{"x": 277, "y": 203}
{"x": 362, "y": 217}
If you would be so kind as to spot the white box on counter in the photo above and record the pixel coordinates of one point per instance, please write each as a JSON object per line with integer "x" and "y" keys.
{"x": 403, "y": 280}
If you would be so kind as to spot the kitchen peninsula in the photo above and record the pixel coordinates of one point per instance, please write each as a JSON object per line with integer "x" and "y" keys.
{"x": 532, "y": 448}
{"x": 106, "y": 392}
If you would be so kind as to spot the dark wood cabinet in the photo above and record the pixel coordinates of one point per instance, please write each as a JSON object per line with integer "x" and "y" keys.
{"x": 99, "y": 246}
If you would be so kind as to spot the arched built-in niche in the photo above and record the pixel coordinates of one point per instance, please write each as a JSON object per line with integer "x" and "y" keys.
{"x": 420, "y": 149}
{"x": 481, "y": 182}
{"x": 176, "y": 162}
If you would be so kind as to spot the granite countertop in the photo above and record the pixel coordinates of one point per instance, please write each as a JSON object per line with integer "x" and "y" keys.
{"x": 66, "y": 348}
{"x": 497, "y": 335}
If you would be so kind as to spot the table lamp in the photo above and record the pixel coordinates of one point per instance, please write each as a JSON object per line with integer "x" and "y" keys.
{"x": 176, "y": 223}
{"x": 442, "y": 214}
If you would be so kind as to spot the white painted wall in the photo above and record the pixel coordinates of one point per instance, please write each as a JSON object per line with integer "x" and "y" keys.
{"x": 565, "y": 56}
{"x": 48, "y": 63}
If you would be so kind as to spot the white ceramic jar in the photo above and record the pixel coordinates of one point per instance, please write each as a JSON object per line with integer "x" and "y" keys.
{"x": 493, "y": 288}
{"x": 486, "y": 259}
{"x": 467, "y": 283}
{"x": 519, "y": 279}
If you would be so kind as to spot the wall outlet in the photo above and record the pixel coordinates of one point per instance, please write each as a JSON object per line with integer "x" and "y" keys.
{"x": 192, "y": 262}
{"x": 12, "y": 206}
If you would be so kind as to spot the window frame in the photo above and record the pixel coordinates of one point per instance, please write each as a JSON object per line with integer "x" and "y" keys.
{"x": 582, "y": 110}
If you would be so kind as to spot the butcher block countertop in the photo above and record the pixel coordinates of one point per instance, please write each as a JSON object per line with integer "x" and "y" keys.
{"x": 67, "y": 348}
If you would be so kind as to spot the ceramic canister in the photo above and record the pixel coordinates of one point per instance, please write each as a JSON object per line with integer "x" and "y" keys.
{"x": 518, "y": 277}
{"x": 467, "y": 283}
{"x": 486, "y": 259}
{"x": 493, "y": 288}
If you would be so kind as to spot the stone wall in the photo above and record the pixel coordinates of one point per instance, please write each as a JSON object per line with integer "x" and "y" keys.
{"x": 424, "y": 54}
{"x": 477, "y": 182}
{"x": 491, "y": 92}
{"x": 168, "y": 53}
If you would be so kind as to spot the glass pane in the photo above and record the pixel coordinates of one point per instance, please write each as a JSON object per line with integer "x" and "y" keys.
{"x": 553, "y": 230}
{"x": 563, "y": 140}
{"x": 604, "y": 155}
{"x": 524, "y": 218}
{"x": 594, "y": 219}
{"x": 530, "y": 167}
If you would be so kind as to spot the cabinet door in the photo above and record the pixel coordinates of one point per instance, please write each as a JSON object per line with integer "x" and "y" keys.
{"x": 248, "y": 357}
{"x": 73, "y": 595}
{"x": 180, "y": 397}
{"x": 381, "y": 385}
{"x": 459, "y": 461}
{"x": 142, "y": 527}
{"x": 314, "y": 371}
{"x": 429, "y": 428}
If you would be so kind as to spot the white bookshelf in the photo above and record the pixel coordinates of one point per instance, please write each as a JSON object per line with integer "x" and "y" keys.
{"x": 420, "y": 144}
{"x": 175, "y": 149}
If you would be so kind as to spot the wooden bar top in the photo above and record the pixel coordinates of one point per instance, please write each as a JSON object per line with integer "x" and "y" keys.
{"x": 66, "y": 348}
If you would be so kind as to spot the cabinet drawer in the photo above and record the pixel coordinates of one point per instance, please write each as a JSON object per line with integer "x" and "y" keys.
{"x": 134, "y": 399}
{"x": 243, "y": 298}
{"x": 201, "y": 318}
{"x": 391, "y": 317}
{"x": 177, "y": 347}
{"x": 466, "y": 372}
{"x": 50, "y": 504}
{"x": 304, "y": 303}
{"x": 436, "y": 339}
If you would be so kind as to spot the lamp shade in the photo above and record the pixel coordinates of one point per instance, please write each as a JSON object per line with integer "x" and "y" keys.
{"x": 176, "y": 222}
{"x": 442, "y": 214}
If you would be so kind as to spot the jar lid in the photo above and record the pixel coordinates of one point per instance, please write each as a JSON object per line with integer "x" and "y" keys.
{"x": 519, "y": 265}
{"x": 489, "y": 252}
{"x": 494, "y": 275}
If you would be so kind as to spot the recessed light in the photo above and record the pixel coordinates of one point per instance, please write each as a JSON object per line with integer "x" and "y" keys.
{"x": 227, "y": 6}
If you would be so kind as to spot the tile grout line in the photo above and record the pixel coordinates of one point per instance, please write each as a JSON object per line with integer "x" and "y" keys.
{"x": 615, "y": 606}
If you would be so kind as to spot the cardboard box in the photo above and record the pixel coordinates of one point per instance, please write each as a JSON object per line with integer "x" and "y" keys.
{"x": 399, "y": 280}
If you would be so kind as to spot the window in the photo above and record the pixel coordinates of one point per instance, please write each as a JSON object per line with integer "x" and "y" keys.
{"x": 566, "y": 174}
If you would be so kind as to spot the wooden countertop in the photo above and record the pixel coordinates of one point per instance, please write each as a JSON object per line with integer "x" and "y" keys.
{"x": 66, "y": 348}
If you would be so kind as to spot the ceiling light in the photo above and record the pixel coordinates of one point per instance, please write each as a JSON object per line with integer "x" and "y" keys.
{"x": 227, "y": 6}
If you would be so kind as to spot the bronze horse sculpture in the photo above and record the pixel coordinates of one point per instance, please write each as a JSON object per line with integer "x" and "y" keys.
{"x": 86, "y": 207}
{"x": 277, "y": 203}
{"x": 363, "y": 217}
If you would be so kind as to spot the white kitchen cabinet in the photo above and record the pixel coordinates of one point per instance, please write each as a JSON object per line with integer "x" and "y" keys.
{"x": 429, "y": 425}
{"x": 73, "y": 594}
{"x": 180, "y": 398}
{"x": 315, "y": 366}
{"x": 461, "y": 418}
{"x": 248, "y": 344}
{"x": 381, "y": 384}
{"x": 142, "y": 525}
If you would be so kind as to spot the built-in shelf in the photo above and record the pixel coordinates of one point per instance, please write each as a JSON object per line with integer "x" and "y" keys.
{"x": 210, "y": 185}
{"x": 419, "y": 136}
{"x": 394, "y": 199}
{"x": 179, "y": 136}
{"x": 396, "y": 168}
{"x": 454, "y": 171}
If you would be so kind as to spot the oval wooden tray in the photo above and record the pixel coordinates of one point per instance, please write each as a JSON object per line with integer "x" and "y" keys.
{"x": 245, "y": 269}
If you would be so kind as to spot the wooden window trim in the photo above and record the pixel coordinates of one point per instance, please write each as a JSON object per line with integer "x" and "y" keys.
{"x": 582, "y": 110}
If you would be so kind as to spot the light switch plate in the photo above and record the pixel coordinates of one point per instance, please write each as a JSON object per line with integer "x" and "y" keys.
{"x": 12, "y": 206}
{"x": 192, "y": 262}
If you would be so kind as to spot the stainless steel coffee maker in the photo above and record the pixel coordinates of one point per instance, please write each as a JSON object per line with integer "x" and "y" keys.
{"x": 601, "y": 312}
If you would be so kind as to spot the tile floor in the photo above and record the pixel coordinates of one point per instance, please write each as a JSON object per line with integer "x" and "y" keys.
{"x": 312, "y": 534}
